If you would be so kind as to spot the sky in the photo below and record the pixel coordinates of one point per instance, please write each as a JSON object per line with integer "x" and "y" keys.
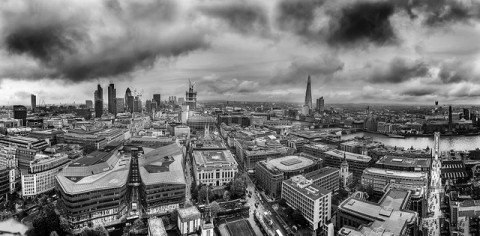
{"x": 356, "y": 51}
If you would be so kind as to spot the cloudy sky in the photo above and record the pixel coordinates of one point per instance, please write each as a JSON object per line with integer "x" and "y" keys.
{"x": 399, "y": 51}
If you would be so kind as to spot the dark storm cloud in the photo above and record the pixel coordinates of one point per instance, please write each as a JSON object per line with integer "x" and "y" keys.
{"x": 441, "y": 12}
{"x": 73, "y": 46}
{"x": 298, "y": 17}
{"x": 242, "y": 16}
{"x": 359, "y": 22}
{"x": 418, "y": 92}
{"x": 455, "y": 72}
{"x": 363, "y": 21}
{"x": 323, "y": 67}
{"x": 399, "y": 70}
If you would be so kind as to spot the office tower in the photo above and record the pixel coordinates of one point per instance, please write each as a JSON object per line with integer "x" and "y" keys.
{"x": 99, "y": 101}
{"x": 450, "y": 118}
{"x": 148, "y": 106}
{"x": 120, "y": 105}
{"x": 181, "y": 101}
{"x": 320, "y": 104}
{"x": 137, "y": 104}
{"x": 157, "y": 98}
{"x": 33, "y": 100}
{"x": 129, "y": 100}
{"x": 89, "y": 104}
{"x": 436, "y": 103}
{"x": 154, "y": 106}
{"x": 191, "y": 96}
{"x": 308, "y": 98}
{"x": 112, "y": 94}
{"x": 20, "y": 112}
{"x": 466, "y": 113}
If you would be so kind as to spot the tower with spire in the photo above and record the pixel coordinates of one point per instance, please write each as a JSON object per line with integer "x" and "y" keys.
{"x": 307, "y": 107}
{"x": 344, "y": 175}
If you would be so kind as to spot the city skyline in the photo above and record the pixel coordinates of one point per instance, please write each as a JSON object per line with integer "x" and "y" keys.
{"x": 414, "y": 53}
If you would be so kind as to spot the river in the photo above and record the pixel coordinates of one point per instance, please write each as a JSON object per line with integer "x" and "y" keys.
{"x": 459, "y": 143}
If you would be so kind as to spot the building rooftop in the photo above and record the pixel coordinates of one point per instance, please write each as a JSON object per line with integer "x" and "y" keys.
{"x": 213, "y": 157}
{"x": 317, "y": 174}
{"x": 387, "y": 217}
{"x": 350, "y": 156}
{"x": 188, "y": 214}
{"x": 156, "y": 227}
{"x": 162, "y": 165}
{"x": 93, "y": 175}
{"x": 289, "y": 163}
{"x": 404, "y": 161}
{"x": 305, "y": 186}
{"x": 397, "y": 173}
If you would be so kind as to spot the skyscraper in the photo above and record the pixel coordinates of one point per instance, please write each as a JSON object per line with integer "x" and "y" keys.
{"x": 129, "y": 100}
{"x": 98, "y": 101}
{"x": 120, "y": 105}
{"x": 33, "y": 100}
{"x": 307, "y": 107}
{"x": 112, "y": 95}
{"x": 148, "y": 106}
{"x": 20, "y": 112}
{"x": 320, "y": 104}
{"x": 191, "y": 96}
{"x": 157, "y": 98}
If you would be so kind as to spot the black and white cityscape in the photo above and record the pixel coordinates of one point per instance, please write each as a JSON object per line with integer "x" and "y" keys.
{"x": 239, "y": 118}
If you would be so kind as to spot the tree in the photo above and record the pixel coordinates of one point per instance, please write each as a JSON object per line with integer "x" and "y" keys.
{"x": 226, "y": 195}
{"x": 53, "y": 233}
{"x": 173, "y": 217}
{"x": 238, "y": 187}
{"x": 138, "y": 223}
{"x": 289, "y": 212}
{"x": 282, "y": 202}
{"x": 47, "y": 220}
{"x": 214, "y": 208}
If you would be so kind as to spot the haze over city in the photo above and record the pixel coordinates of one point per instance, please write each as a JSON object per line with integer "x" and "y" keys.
{"x": 355, "y": 51}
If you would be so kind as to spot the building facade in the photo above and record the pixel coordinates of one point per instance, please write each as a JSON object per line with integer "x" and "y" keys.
{"x": 314, "y": 202}
{"x": 380, "y": 178}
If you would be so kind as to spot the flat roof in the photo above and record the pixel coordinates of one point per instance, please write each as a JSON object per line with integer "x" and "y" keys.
{"x": 289, "y": 163}
{"x": 206, "y": 157}
{"x": 312, "y": 191}
{"x": 156, "y": 227}
{"x": 387, "y": 217}
{"x": 189, "y": 213}
{"x": 349, "y": 155}
{"x": 397, "y": 173}
{"x": 404, "y": 161}
{"x": 162, "y": 165}
{"x": 317, "y": 174}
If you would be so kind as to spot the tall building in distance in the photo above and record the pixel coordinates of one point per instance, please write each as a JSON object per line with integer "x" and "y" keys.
{"x": 33, "y": 100}
{"x": 128, "y": 100}
{"x": 157, "y": 98}
{"x": 191, "y": 96}
{"x": 307, "y": 107}
{"x": 119, "y": 105}
{"x": 98, "y": 101}
{"x": 112, "y": 95}
{"x": 89, "y": 104}
{"x": 20, "y": 112}
{"x": 320, "y": 104}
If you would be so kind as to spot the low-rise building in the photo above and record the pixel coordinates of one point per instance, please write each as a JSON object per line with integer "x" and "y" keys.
{"x": 40, "y": 177}
{"x": 93, "y": 189}
{"x": 379, "y": 178}
{"x": 188, "y": 220}
{"x": 272, "y": 172}
{"x": 390, "y": 216}
{"x": 404, "y": 163}
{"x": 312, "y": 201}
{"x": 24, "y": 142}
{"x": 357, "y": 162}
{"x": 214, "y": 167}
{"x": 163, "y": 185}
{"x": 326, "y": 177}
